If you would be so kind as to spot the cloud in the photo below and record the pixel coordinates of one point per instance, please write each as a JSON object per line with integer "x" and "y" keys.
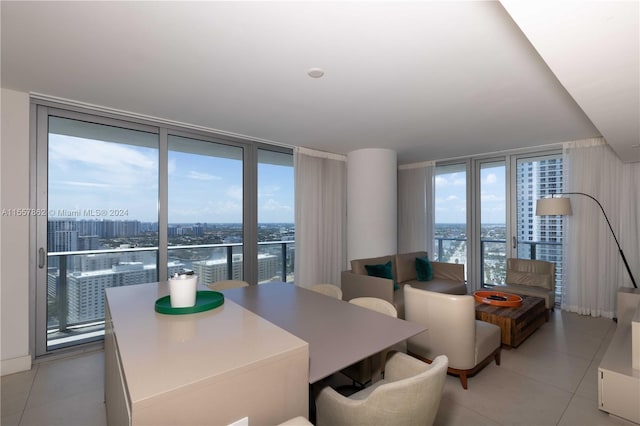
{"x": 440, "y": 181}
{"x": 99, "y": 153}
{"x": 112, "y": 165}
{"x": 273, "y": 205}
{"x": 202, "y": 176}
{"x": 235, "y": 192}
{"x": 268, "y": 190}
{"x": 171, "y": 166}
{"x": 491, "y": 179}
{"x": 453, "y": 179}
{"x": 484, "y": 196}
{"x": 219, "y": 211}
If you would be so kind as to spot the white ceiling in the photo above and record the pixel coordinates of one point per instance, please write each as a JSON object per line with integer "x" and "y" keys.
{"x": 431, "y": 80}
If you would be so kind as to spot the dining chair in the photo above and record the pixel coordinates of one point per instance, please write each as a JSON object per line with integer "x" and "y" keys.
{"x": 297, "y": 421}
{"x": 328, "y": 290}
{"x": 409, "y": 394}
{"x": 226, "y": 284}
{"x": 371, "y": 367}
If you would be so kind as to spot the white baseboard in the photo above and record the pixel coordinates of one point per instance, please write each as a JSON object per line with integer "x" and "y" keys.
{"x": 15, "y": 365}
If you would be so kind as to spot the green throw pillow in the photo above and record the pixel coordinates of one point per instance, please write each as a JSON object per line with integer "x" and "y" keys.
{"x": 382, "y": 271}
{"x": 424, "y": 269}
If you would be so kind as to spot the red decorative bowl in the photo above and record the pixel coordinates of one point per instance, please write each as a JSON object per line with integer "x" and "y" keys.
{"x": 497, "y": 298}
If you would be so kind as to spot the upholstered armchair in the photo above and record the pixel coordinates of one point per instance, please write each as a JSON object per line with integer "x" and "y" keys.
{"x": 452, "y": 330}
{"x": 409, "y": 394}
{"x": 528, "y": 277}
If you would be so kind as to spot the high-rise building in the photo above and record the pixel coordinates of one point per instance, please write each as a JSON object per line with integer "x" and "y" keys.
{"x": 537, "y": 179}
{"x": 88, "y": 242}
{"x": 210, "y": 271}
{"x": 85, "y": 290}
{"x": 62, "y": 235}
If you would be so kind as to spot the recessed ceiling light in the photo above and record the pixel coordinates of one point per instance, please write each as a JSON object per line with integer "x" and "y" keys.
{"x": 315, "y": 72}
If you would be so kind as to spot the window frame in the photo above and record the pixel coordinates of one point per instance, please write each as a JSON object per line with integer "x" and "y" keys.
{"x": 40, "y": 111}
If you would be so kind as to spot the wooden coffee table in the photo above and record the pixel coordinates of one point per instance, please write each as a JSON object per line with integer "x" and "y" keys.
{"x": 516, "y": 324}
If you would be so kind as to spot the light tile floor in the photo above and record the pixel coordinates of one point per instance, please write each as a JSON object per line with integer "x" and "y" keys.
{"x": 551, "y": 379}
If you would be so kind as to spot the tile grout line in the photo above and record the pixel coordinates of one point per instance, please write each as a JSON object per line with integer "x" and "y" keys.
{"x": 474, "y": 411}
{"x": 573, "y": 396}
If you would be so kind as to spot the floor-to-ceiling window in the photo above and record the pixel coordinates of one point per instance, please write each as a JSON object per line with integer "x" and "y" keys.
{"x": 121, "y": 201}
{"x": 493, "y": 221}
{"x": 538, "y": 237}
{"x": 205, "y": 209}
{"x": 485, "y": 211}
{"x": 450, "y": 231}
{"x": 98, "y": 227}
{"x": 276, "y": 230}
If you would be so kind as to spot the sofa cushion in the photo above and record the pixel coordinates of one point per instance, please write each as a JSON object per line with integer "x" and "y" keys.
{"x": 448, "y": 271}
{"x": 528, "y": 290}
{"x": 357, "y": 265}
{"x": 424, "y": 270}
{"x": 530, "y": 279}
{"x": 406, "y": 266}
{"x": 381, "y": 271}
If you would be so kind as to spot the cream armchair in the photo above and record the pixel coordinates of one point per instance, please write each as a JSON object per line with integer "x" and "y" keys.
{"x": 409, "y": 394}
{"x": 452, "y": 330}
{"x": 528, "y": 277}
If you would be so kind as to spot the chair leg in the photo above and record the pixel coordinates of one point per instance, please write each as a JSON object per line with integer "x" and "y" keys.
{"x": 463, "y": 379}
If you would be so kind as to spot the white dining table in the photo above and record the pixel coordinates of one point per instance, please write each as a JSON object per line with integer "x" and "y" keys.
{"x": 338, "y": 333}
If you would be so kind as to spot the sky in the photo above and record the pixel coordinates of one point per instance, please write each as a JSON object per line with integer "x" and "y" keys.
{"x": 450, "y": 196}
{"x": 120, "y": 182}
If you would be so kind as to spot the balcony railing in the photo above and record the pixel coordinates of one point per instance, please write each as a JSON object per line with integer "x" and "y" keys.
{"x": 494, "y": 258}
{"x": 76, "y": 280}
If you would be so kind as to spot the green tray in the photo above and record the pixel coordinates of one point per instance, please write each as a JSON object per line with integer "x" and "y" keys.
{"x": 205, "y": 300}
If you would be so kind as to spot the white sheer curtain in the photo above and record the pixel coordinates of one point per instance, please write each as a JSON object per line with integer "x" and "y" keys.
{"x": 320, "y": 199}
{"x": 593, "y": 268}
{"x": 630, "y": 221}
{"x": 415, "y": 208}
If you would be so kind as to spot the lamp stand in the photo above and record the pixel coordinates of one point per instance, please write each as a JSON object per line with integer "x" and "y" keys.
{"x": 624, "y": 259}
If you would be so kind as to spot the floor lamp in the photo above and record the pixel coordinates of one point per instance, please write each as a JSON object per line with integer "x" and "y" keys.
{"x": 562, "y": 206}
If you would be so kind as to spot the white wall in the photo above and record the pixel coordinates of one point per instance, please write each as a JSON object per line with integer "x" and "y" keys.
{"x": 14, "y": 232}
{"x": 372, "y": 198}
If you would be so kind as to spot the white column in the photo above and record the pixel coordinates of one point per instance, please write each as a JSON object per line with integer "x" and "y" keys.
{"x": 372, "y": 212}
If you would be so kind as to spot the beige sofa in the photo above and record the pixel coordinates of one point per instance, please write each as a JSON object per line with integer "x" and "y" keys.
{"x": 447, "y": 278}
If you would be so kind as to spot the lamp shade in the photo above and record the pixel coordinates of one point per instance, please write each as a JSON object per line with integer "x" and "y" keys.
{"x": 553, "y": 206}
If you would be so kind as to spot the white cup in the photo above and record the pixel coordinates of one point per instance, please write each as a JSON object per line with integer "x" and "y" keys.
{"x": 182, "y": 291}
